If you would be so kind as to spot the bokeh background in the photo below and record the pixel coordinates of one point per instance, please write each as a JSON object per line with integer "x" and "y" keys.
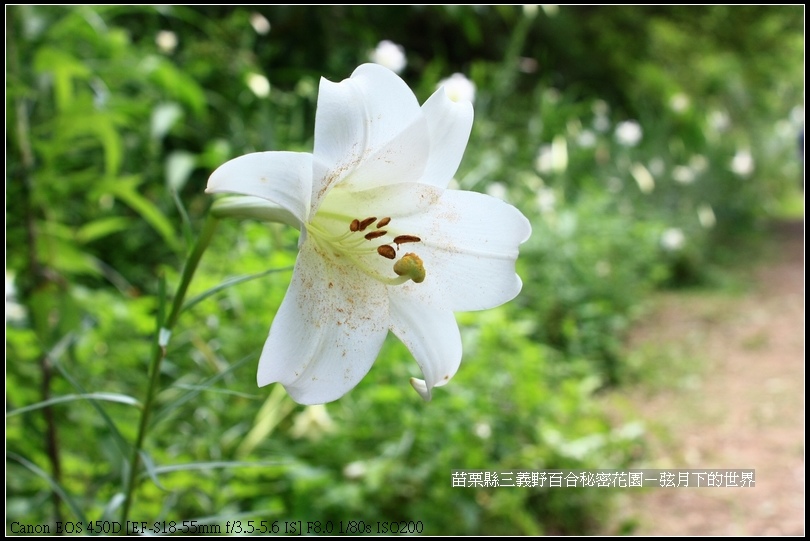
{"x": 645, "y": 144}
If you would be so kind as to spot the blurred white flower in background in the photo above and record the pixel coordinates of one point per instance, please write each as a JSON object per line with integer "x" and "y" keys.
{"x": 683, "y": 174}
{"x": 672, "y": 239}
{"x": 527, "y": 64}
{"x": 657, "y": 166}
{"x": 698, "y": 163}
{"x": 389, "y": 54}
{"x": 586, "y": 139}
{"x": 550, "y": 10}
{"x": 166, "y": 41}
{"x": 546, "y": 200}
{"x": 643, "y": 178}
{"x": 679, "y": 102}
{"x": 15, "y": 312}
{"x": 601, "y": 122}
{"x": 706, "y": 216}
{"x": 355, "y": 470}
{"x": 483, "y": 430}
{"x": 259, "y": 23}
{"x": 553, "y": 158}
{"x": 458, "y": 88}
{"x": 628, "y": 133}
{"x": 600, "y": 108}
{"x": 498, "y": 190}
{"x": 258, "y": 84}
{"x": 742, "y": 163}
{"x": 719, "y": 121}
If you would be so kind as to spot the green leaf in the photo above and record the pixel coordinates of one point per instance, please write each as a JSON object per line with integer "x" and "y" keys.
{"x": 113, "y": 505}
{"x": 188, "y": 233}
{"x": 213, "y": 465}
{"x": 273, "y": 411}
{"x": 58, "y": 247}
{"x": 101, "y": 228}
{"x": 108, "y": 397}
{"x": 206, "y": 385}
{"x": 54, "y": 356}
{"x": 226, "y": 392}
{"x": 177, "y": 84}
{"x": 124, "y": 189}
{"x": 56, "y": 487}
{"x": 151, "y": 470}
{"x": 229, "y": 283}
{"x": 81, "y": 122}
{"x": 64, "y": 69}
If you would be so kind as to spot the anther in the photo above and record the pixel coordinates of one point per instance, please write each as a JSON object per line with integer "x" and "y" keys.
{"x": 375, "y": 234}
{"x": 365, "y": 223}
{"x": 355, "y": 225}
{"x": 383, "y": 222}
{"x": 402, "y": 239}
{"x": 386, "y": 251}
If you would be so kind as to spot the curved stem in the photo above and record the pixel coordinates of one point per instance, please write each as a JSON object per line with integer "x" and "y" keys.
{"x": 159, "y": 352}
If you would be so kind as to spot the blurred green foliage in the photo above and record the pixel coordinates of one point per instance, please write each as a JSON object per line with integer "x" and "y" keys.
{"x": 640, "y": 141}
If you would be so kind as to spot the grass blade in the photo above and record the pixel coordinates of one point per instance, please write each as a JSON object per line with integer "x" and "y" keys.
{"x": 109, "y": 397}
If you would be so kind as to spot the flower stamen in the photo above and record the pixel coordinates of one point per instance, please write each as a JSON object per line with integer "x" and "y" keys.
{"x": 376, "y": 234}
{"x": 387, "y": 251}
{"x": 410, "y": 265}
{"x": 367, "y": 222}
{"x": 355, "y": 247}
{"x": 402, "y": 239}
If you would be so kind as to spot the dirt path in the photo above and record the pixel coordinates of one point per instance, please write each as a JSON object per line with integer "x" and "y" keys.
{"x": 731, "y": 396}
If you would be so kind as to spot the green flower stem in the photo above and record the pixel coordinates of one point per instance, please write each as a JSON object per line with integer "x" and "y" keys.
{"x": 159, "y": 352}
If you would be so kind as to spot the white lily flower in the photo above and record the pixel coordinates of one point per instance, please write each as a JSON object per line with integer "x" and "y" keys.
{"x": 389, "y": 54}
{"x": 384, "y": 244}
{"x": 458, "y": 87}
{"x": 628, "y": 133}
{"x": 742, "y": 163}
{"x": 166, "y": 41}
{"x": 672, "y": 239}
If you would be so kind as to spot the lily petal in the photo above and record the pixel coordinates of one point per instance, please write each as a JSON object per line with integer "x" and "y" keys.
{"x": 469, "y": 246}
{"x": 394, "y": 200}
{"x": 355, "y": 118}
{"x": 284, "y": 178}
{"x": 256, "y": 208}
{"x": 402, "y": 159}
{"x": 431, "y": 335}
{"x": 420, "y": 387}
{"x": 327, "y": 332}
{"x": 449, "y": 124}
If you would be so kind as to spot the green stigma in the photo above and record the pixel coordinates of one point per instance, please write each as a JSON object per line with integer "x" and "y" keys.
{"x": 412, "y": 267}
